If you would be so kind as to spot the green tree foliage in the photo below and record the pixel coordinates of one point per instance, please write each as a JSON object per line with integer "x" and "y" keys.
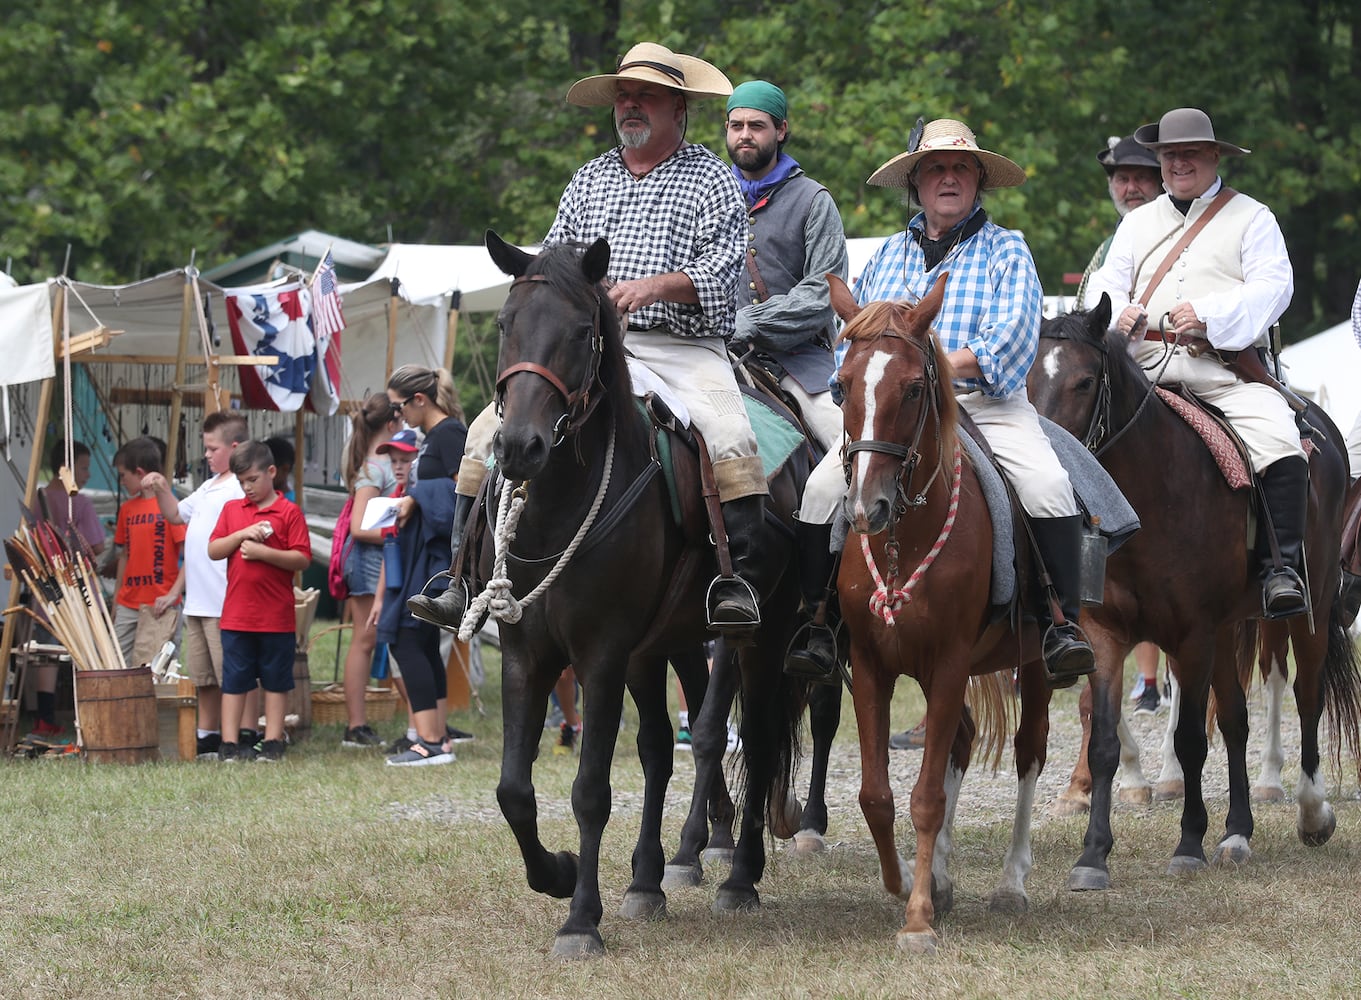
{"x": 140, "y": 130}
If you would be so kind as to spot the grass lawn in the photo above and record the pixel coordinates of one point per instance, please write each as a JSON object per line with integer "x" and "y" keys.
{"x": 331, "y": 875}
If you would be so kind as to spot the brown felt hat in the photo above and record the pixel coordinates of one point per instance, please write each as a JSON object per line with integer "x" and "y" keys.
{"x": 945, "y": 135}
{"x": 1184, "y": 125}
{"x": 648, "y": 62}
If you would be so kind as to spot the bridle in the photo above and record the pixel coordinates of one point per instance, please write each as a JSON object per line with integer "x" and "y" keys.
{"x": 579, "y": 403}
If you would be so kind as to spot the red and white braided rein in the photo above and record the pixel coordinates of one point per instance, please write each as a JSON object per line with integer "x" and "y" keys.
{"x": 885, "y": 601}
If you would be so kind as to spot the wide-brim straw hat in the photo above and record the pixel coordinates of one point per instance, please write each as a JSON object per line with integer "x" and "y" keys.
{"x": 648, "y": 62}
{"x": 1184, "y": 125}
{"x": 945, "y": 135}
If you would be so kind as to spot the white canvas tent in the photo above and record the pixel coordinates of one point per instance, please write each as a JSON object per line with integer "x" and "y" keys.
{"x": 1327, "y": 368}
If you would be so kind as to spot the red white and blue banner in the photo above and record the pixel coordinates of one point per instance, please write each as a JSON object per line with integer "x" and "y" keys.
{"x": 275, "y": 322}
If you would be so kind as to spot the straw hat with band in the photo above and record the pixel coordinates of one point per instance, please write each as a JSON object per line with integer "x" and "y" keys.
{"x": 1184, "y": 125}
{"x": 648, "y": 62}
{"x": 945, "y": 135}
{"x": 1125, "y": 153}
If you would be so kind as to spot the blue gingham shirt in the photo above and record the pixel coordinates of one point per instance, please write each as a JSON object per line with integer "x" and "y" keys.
{"x": 992, "y": 306}
{"x": 686, "y": 214}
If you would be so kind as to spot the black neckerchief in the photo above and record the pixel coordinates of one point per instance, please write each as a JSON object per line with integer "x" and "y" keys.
{"x": 1182, "y": 206}
{"x": 935, "y": 251}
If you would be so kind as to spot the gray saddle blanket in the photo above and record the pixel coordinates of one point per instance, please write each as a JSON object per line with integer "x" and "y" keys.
{"x": 1096, "y": 491}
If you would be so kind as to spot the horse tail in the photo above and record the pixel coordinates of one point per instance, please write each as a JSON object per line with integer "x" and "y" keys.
{"x": 1342, "y": 690}
{"x": 784, "y": 707}
{"x": 989, "y": 698}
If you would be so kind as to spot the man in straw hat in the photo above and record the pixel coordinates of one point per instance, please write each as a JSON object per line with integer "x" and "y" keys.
{"x": 673, "y": 216}
{"x": 784, "y": 312}
{"x": 1223, "y": 290}
{"x": 989, "y": 326}
{"x": 1134, "y": 178}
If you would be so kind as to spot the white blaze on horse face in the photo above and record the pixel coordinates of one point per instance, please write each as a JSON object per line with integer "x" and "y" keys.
{"x": 1053, "y": 362}
{"x": 874, "y": 375}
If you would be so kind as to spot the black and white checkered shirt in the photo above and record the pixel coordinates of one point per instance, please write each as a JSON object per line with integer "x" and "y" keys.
{"x": 686, "y": 215}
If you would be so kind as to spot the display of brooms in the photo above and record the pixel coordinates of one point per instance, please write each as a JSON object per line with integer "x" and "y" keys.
{"x": 60, "y": 574}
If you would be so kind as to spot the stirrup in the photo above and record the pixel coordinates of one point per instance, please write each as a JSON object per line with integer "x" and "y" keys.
{"x": 1283, "y": 594}
{"x": 1067, "y": 655}
{"x": 711, "y": 606}
{"x": 445, "y": 610}
{"x": 800, "y": 660}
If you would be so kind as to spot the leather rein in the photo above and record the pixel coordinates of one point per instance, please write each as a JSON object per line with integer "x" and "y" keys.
{"x": 1096, "y": 440}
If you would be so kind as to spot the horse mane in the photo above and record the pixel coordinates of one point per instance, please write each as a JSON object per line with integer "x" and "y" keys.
{"x": 889, "y": 318}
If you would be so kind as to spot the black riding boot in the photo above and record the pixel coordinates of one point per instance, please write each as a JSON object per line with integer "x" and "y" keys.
{"x": 1285, "y": 487}
{"x": 813, "y": 653}
{"x": 733, "y": 603}
{"x": 1067, "y": 656}
{"x": 447, "y": 609}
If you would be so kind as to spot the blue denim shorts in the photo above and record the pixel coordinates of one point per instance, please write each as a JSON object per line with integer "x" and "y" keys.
{"x": 361, "y": 568}
{"x": 263, "y": 656}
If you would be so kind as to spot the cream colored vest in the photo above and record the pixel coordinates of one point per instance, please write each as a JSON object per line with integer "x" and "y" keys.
{"x": 1212, "y": 263}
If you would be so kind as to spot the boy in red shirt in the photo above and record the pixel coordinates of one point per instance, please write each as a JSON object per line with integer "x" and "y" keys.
{"x": 149, "y": 569}
{"x": 264, "y": 540}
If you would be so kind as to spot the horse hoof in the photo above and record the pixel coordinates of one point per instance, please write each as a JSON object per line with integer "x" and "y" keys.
{"x": 643, "y": 905}
{"x": 1169, "y": 791}
{"x": 682, "y": 876}
{"x": 1009, "y": 902}
{"x": 731, "y": 900}
{"x": 808, "y": 842}
{"x": 918, "y": 942}
{"x": 577, "y": 946}
{"x": 1085, "y": 879}
{"x": 1136, "y": 795}
{"x": 1233, "y": 851}
{"x": 1184, "y": 864}
{"x": 718, "y": 855}
{"x": 1268, "y": 793}
{"x": 1317, "y": 838}
{"x": 1074, "y": 805}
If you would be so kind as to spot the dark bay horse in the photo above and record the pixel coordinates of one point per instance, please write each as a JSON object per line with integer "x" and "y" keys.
{"x": 626, "y": 594}
{"x": 1187, "y": 582}
{"x": 918, "y": 515}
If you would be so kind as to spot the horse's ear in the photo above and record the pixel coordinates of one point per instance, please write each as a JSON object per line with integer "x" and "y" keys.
{"x": 843, "y": 302}
{"x": 935, "y": 298}
{"x": 1099, "y": 320}
{"x": 595, "y": 262}
{"x": 510, "y": 259}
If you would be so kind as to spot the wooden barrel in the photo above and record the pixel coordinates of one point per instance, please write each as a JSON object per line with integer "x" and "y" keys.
{"x": 300, "y": 698}
{"x": 116, "y": 711}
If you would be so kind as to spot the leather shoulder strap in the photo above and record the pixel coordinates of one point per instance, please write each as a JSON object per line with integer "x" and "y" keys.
{"x": 1220, "y": 200}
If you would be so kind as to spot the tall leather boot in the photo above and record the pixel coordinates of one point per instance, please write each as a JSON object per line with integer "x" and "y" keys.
{"x": 447, "y": 609}
{"x": 813, "y": 653}
{"x": 1285, "y": 487}
{"x": 734, "y": 606}
{"x": 1067, "y": 655}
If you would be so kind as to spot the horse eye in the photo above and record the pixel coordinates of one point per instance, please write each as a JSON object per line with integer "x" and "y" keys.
{"x": 914, "y": 392}
{"x": 1085, "y": 385}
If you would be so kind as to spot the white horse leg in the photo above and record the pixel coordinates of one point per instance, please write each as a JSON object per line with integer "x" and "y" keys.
{"x": 1172, "y": 781}
{"x": 1010, "y": 895}
{"x": 1315, "y": 821}
{"x": 943, "y": 891}
{"x": 1269, "y": 786}
{"x": 1134, "y": 787}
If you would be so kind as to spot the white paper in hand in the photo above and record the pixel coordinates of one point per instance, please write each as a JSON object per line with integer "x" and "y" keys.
{"x": 380, "y": 512}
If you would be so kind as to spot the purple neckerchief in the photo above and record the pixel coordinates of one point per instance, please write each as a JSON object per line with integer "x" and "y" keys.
{"x": 755, "y": 190}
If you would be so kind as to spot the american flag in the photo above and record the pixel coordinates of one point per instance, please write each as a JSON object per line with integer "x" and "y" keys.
{"x": 327, "y": 316}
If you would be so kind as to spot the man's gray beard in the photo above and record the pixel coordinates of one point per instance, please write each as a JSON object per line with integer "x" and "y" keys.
{"x": 633, "y": 140}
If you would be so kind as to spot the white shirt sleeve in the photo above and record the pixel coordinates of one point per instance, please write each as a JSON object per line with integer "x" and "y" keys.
{"x": 1234, "y": 319}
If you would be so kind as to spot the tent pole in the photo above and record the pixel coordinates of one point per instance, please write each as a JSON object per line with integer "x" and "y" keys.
{"x": 392, "y": 327}
{"x": 176, "y": 390}
{"x": 31, "y": 486}
{"x": 451, "y": 333}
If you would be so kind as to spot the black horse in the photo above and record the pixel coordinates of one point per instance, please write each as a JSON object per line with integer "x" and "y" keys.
{"x": 627, "y": 593}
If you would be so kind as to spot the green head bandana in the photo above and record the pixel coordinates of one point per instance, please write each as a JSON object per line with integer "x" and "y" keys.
{"x": 761, "y": 96}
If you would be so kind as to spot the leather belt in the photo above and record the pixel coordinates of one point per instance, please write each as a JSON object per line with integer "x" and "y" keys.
{"x": 1180, "y": 340}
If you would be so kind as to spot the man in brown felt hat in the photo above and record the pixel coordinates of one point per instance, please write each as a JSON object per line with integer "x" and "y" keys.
{"x": 1224, "y": 289}
{"x": 1134, "y": 178}
{"x": 673, "y": 216}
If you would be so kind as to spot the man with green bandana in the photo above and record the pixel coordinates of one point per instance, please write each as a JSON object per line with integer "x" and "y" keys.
{"x": 794, "y": 240}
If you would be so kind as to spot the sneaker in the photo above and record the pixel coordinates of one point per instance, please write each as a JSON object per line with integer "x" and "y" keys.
{"x": 683, "y": 741}
{"x": 909, "y": 739}
{"x": 251, "y": 738}
{"x": 271, "y": 750}
{"x": 232, "y": 753}
{"x": 422, "y": 753}
{"x": 452, "y": 735}
{"x": 360, "y": 738}
{"x": 567, "y": 739}
{"x": 398, "y": 746}
{"x": 1148, "y": 702}
{"x": 47, "y": 729}
{"x": 1137, "y": 692}
{"x": 207, "y": 746}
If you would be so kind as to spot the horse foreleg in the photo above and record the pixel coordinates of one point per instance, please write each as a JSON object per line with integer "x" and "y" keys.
{"x": 1192, "y": 748}
{"x": 1270, "y": 786}
{"x": 1077, "y": 797}
{"x": 1030, "y": 751}
{"x": 1103, "y": 754}
{"x": 1134, "y": 787}
{"x": 1231, "y": 711}
{"x": 1329, "y": 651}
{"x": 709, "y": 740}
{"x": 871, "y": 695}
{"x": 644, "y": 899}
{"x": 824, "y": 717}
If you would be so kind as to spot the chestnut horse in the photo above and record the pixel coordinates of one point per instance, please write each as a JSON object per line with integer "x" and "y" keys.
{"x": 1187, "y": 581}
{"x": 916, "y": 510}
{"x": 618, "y": 588}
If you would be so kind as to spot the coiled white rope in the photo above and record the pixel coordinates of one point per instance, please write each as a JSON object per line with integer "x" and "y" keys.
{"x": 496, "y": 600}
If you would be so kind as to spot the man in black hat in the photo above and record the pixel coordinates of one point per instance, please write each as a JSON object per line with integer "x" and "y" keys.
{"x": 1134, "y": 178}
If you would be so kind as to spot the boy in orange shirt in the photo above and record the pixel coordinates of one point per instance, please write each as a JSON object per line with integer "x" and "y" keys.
{"x": 149, "y": 568}
{"x": 264, "y": 540}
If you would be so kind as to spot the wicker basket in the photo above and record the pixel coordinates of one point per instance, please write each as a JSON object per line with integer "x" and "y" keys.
{"x": 328, "y": 705}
